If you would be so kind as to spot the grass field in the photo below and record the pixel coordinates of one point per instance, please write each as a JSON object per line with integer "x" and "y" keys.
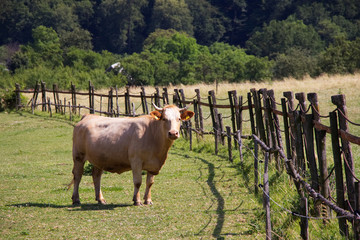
{"x": 197, "y": 195}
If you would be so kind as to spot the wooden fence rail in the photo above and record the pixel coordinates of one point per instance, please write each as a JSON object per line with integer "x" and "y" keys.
{"x": 297, "y": 140}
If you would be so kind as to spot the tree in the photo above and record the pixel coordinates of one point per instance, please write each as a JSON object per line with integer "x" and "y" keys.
{"x": 208, "y": 22}
{"x": 279, "y": 36}
{"x": 171, "y": 14}
{"x": 120, "y": 25}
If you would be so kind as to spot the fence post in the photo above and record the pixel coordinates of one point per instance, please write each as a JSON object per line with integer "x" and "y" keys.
{"x": 278, "y": 139}
{"x": 91, "y": 109}
{"x": 214, "y": 114}
{"x": 266, "y": 196}
{"x": 256, "y": 167}
{"x": 228, "y": 134}
{"x": 267, "y": 140}
{"x": 232, "y": 108}
{"x": 198, "y": 97}
{"x": 258, "y": 115}
{"x": 54, "y": 93}
{"x": 73, "y": 98}
{"x": 290, "y": 98}
{"x": 157, "y": 96}
{"x": 110, "y": 102}
{"x": 357, "y": 222}
{"x": 304, "y": 222}
{"x": 165, "y": 96}
{"x": 49, "y": 106}
{"x": 251, "y": 113}
{"x": 18, "y": 98}
{"x": 143, "y": 101}
{"x": 339, "y": 101}
{"x": 308, "y": 126}
{"x": 127, "y": 101}
{"x": 221, "y": 129}
{"x": 43, "y": 96}
{"x": 117, "y": 101}
{"x": 320, "y": 138}
{"x": 298, "y": 131}
{"x": 272, "y": 132}
{"x": 340, "y": 198}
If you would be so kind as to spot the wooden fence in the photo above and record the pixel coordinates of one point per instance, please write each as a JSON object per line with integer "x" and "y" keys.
{"x": 294, "y": 137}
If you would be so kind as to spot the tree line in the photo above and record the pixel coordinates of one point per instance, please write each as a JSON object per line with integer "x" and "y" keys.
{"x": 160, "y": 42}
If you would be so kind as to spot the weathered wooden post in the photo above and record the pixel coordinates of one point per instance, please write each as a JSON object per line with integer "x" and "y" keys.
{"x": 221, "y": 129}
{"x": 91, "y": 90}
{"x": 110, "y": 102}
{"x": 54, "y": 93}
{"x": 143, "y": 101}
{"x": 43, "y": 96}
{"x": 157, "y": 96}
{"x": 267, "y": 140}
{"x": 300, "y": 156}
{"x": 165, "y": 96}
{"x": 49, "y": 106}
{"x": 232, "y": 109}
{"x": 18, "y": 98}
{"x": 320, "y": 138}
{"x": 117, "y": 101}
{"x": 290, "y": 98}
{"x": 251, "y": 113}
{"x": 286, "y": 129}
{"x": 340, "y": 197}
{"x": 36, "y": 93}
{"x": 228, "y": 134}
{"x": 198, "y": 97}
{"x": 339, "y": 101}
{"x": 357, "y": 222}
{"x": 73, "y": 98}
{"x": 266, "y": 196}
{"x": 256, "y": 167}
{"x": 304, "y": 222}
{"x": 127, "y": 101}
{"x": 214, "y": 118}
{"x": 308, "y": 126}
{"x": 258, "y": 115}
{"x": 271, "y": 128}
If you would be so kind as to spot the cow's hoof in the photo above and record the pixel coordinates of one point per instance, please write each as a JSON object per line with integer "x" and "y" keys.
{"x": 148, "y": 203}
{"x": 138, "y": 204}
{"x": 75, "y": 203}
{"x": 102, "y": 202}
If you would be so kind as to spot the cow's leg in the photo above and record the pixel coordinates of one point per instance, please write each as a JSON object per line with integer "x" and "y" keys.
{"x": 96, "y": 175}
{"x": 137, "y": 178}
{"x": 77, "y": 171}
{"x": 149, "y": 182}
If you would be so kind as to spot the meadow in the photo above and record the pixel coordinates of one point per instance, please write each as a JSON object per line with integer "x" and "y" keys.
{"x": 197, "y": 195}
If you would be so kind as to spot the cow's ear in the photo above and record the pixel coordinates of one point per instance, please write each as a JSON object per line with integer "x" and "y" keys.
{"x": 186, "y": 115}
{"x": 156, "y": 115}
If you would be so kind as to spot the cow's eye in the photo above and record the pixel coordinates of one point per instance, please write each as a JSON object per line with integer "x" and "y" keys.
{"x": 179, "y": 119}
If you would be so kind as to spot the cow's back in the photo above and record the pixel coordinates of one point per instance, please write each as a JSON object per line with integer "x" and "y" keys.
{"x": 107, "y": 142}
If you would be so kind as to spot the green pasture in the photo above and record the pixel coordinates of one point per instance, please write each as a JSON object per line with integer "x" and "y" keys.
{"x": 197, "y": 195}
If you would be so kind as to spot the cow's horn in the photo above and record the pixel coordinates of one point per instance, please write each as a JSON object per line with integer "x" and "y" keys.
{"x": 185, "y": 108}
{"x": 157, "y": 108}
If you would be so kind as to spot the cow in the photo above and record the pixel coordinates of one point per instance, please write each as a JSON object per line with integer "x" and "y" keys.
{"x": 122, "y": 144}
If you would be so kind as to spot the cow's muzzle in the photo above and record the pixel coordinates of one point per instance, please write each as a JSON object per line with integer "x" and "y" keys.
{"x": 173, "y": 134}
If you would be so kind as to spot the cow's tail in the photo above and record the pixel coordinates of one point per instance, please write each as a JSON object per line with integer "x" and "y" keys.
{"x": 72, "y": 183}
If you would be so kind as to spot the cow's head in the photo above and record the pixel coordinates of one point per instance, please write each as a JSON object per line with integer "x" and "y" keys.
{"x": 171, "y": 116}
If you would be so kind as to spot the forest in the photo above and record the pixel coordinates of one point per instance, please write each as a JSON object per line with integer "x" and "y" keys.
{"x": 162, "y": 42}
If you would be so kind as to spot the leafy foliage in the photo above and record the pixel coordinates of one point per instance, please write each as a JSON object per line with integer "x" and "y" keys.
{"x": 173, "y": 41}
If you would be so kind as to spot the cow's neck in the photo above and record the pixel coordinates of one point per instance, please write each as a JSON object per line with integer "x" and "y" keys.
{"x": 161, "y": 138}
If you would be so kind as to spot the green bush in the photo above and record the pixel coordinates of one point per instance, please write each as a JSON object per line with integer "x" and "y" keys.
{"x": 8, "y": 99}
{"x": 296, "y": 63}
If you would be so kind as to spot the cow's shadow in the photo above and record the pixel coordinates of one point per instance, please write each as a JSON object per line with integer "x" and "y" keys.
{"x": 80, "y": 207}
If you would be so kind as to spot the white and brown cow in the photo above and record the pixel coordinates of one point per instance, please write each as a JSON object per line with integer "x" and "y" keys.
{"x": 124, "y": 144}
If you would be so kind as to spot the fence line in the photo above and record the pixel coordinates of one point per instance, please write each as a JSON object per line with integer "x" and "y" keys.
{"x": 303, "y": 132}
